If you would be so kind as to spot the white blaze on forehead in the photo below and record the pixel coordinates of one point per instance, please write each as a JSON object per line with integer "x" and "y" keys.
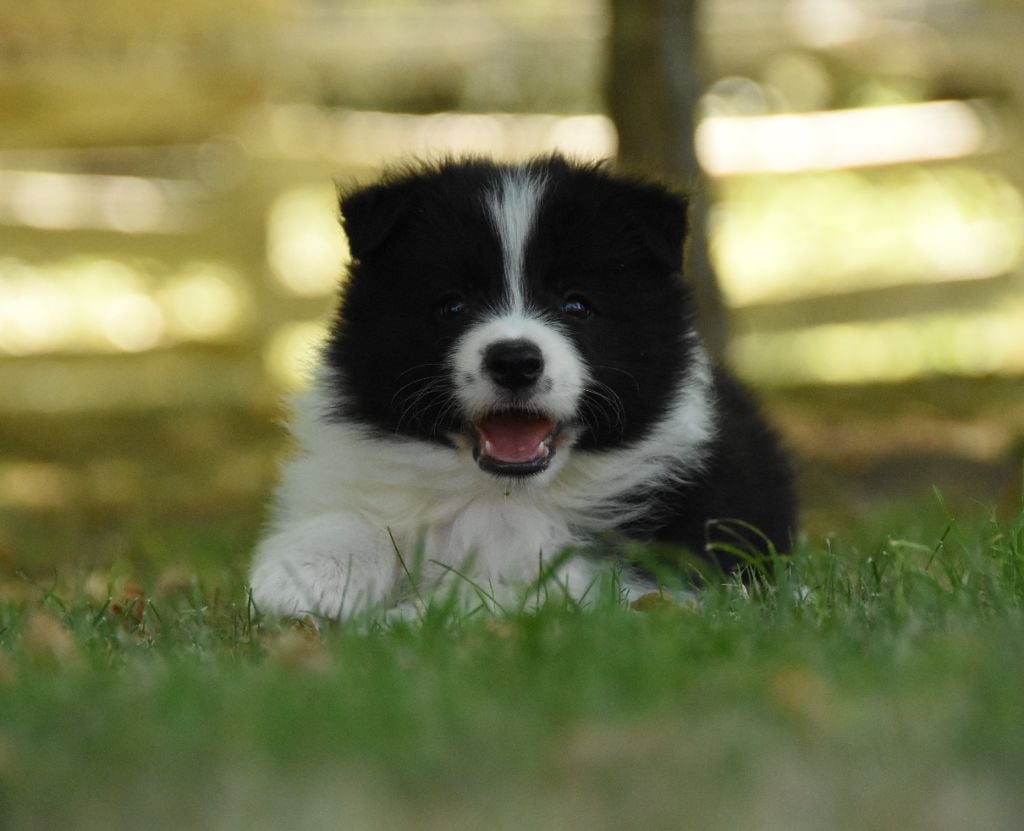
{"x": 513, "y": 205}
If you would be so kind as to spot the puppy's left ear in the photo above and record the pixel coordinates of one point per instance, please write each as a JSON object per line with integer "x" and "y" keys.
{"x": 661, "y": 218}
{"x": 370, "y": 215}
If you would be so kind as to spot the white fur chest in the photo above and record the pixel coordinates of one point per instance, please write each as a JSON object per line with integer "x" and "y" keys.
{"x": 499, "y": 539}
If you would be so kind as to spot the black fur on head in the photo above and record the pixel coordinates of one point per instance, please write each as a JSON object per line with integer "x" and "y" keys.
{"x": 424, "y": 238}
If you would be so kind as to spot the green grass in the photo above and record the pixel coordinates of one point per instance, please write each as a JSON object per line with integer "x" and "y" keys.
{"x": 872, "y": 686}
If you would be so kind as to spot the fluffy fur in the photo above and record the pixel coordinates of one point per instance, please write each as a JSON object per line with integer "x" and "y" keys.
{"x": 513, "y": 372}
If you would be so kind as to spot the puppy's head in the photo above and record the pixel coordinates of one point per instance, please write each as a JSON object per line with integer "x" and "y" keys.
{"x": 517, "y": 314}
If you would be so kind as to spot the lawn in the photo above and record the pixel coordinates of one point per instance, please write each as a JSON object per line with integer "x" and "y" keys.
{"x": 877, "y": 684}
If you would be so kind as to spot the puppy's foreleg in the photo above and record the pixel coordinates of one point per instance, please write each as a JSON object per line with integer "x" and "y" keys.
{"x": 330, "y": 565}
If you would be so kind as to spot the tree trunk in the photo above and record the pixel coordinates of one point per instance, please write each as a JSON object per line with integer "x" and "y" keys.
{"x": 653, "y": 84}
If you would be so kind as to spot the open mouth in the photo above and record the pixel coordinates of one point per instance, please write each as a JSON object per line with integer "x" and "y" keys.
{"x": 514, "y": 443}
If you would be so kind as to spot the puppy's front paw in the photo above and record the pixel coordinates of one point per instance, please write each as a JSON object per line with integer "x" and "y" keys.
{"x": 330, "y": 566}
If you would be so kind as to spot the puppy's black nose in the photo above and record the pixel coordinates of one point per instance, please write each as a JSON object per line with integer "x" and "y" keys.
{"x": 514, "y": 364}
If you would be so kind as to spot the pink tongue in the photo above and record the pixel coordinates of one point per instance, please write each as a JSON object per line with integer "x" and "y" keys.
{"x": 514, "y": 437}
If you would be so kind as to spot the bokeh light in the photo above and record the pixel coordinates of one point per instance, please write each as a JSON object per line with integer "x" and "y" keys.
{"x": 826, "y": 233}
{"x": 899, "y": 349}
{"x": 375, "y": 139}
{"x": 291, "y": 353}
{"x": 100, "y": 305}
{"x": 841, "y": 139}
{"x": 61, "y": 201}
{"x": 205, "y": 301}
{"x": 306, "y": 246}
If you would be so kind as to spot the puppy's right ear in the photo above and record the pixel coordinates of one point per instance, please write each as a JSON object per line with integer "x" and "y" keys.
{"x": 369, "y": 215}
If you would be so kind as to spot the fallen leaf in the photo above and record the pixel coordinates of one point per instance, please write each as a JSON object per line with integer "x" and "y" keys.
{"x": 173, "y": 580}
{"x": 130, "y": 602}
{"x": 298, "y": 648}
{"x": 661, "y": 599}
{"x": 47, "y": 638}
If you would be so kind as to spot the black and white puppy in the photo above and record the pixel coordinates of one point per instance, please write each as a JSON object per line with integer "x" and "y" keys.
{"x": 513, "y": 372}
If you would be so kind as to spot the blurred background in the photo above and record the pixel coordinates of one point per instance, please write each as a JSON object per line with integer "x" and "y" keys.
{"x": 169, "y": 245}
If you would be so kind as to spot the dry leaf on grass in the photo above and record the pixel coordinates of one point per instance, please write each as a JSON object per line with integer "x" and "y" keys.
{"x": 129, "y": 602}
{"x": 47, "y": 638}
{"x": 661, "y": 599}
{"x": 299, "y": 647}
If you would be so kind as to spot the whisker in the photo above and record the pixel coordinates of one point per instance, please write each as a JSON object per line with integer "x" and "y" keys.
{"x": 433, "y": 390}
{"x": 602, "y": 404}
{"x": 625, "y": 372}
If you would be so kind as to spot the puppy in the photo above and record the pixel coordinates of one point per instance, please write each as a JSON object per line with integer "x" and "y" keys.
{"x": 514, "y": 373}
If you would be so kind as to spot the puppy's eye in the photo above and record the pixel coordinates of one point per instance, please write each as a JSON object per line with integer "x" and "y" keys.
{"x": 576, "y": 305}
{"x": 452, "y": 305}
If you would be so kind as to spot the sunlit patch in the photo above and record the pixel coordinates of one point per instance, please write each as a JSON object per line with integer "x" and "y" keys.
{"x": 292, "y": 353}
{"x": 90, "y": 304}
{"x": 817, "y": 234}
{"x": 133, "y": 205}
{"x": 74, "y": 201}
{"x": 842, "y": 139}
{"x": 36, "y": 485}
{"x": 45, "y": 200}
{"x": 889, "y": 350}
{"x": 114, "y": 309}
{"x": 33, "y": 321}
{"x": 585, "y": 137}
{"x": 204, "y": 302}
{"x": 826, "y": 24}
{"x": 133, "y": 322}
{"x": 802, "y": 79}
{"x": 306, "y": 246}
{"x": 366, "y": 138}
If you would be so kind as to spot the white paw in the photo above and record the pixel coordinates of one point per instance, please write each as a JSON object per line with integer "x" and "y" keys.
{"x": 331, "y": 566}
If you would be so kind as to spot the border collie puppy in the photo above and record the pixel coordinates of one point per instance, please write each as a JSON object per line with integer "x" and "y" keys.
{"x": 513, "y": 373}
